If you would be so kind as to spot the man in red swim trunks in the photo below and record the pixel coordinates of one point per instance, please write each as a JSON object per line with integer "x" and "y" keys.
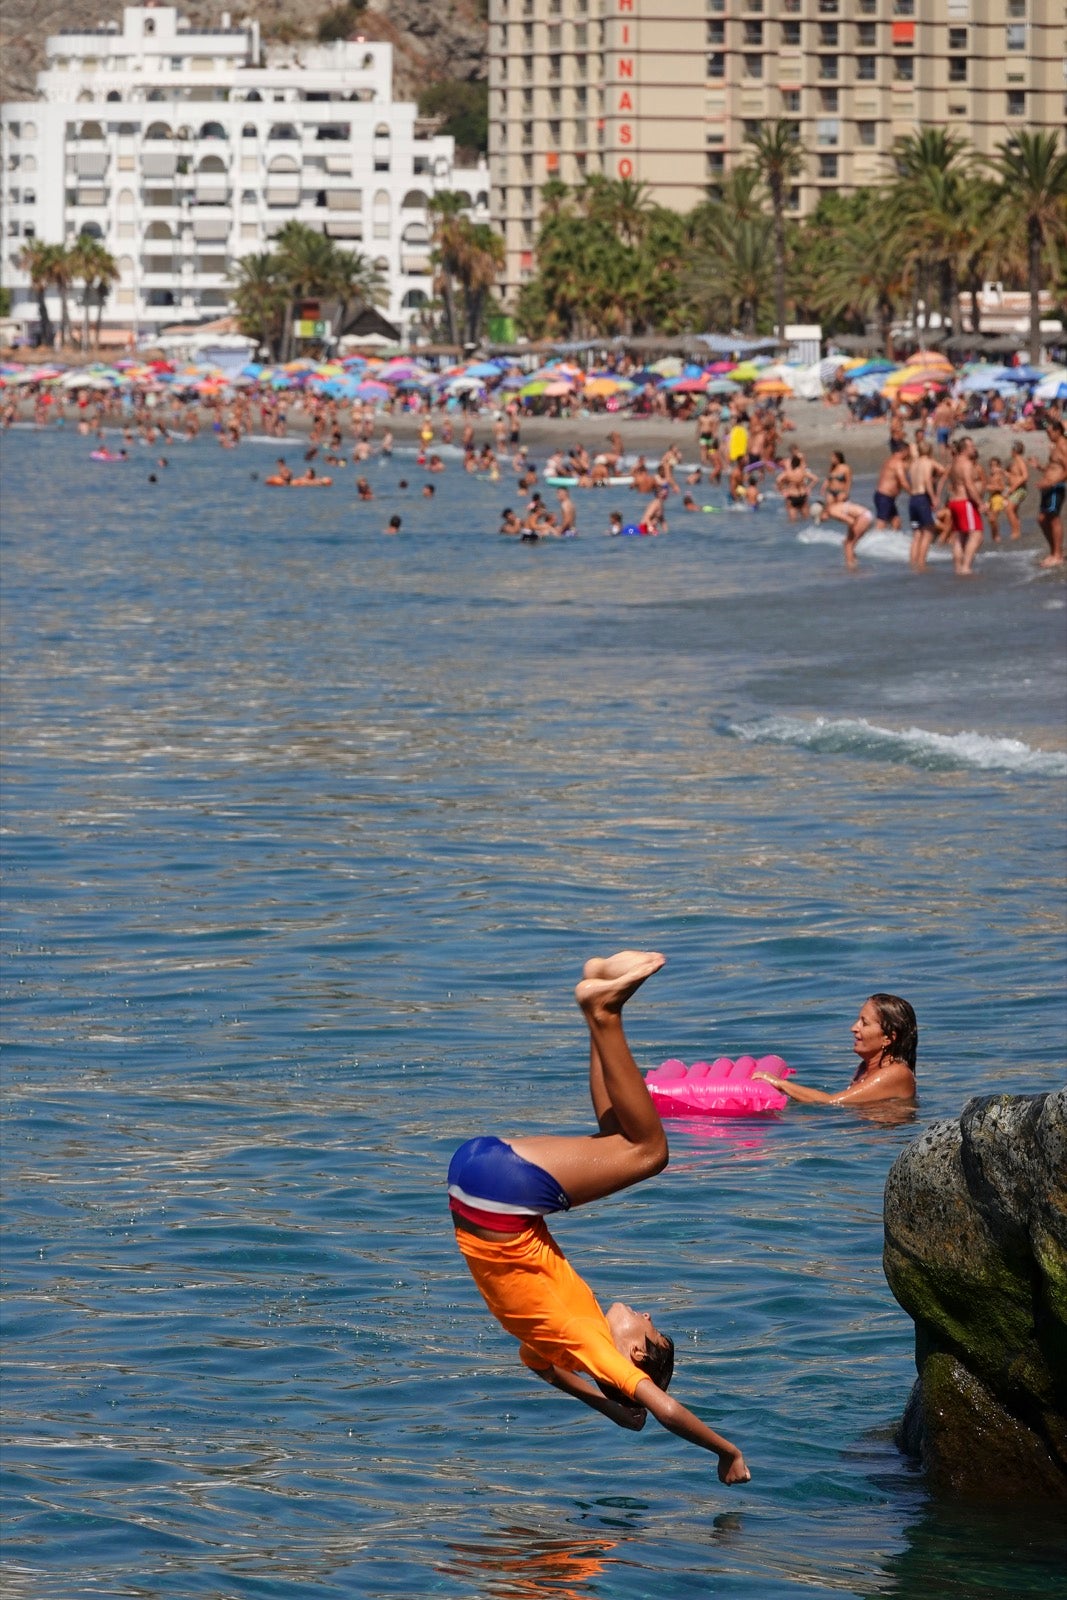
{"x": 964, "y": 502}
{"x": 499, "y": 1194}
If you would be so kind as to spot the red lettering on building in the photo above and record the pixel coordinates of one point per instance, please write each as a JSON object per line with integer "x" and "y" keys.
{"x": 626, "y": 134}
{"x": 626, "y": 66}
{"x": 625, "y": 100}
{"x": 626, "y": 168}
{"x": 626, "y": 5}
{"x": 626, "y": 33}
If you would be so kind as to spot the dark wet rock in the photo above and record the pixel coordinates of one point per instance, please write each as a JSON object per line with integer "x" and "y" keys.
{"x": 976, "y": 1253}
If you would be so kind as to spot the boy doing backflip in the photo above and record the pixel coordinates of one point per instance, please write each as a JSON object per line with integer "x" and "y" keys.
{"x": 500, "y": 1191}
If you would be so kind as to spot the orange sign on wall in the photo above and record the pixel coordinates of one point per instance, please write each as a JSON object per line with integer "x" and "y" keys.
{"x": 903, "y": 33}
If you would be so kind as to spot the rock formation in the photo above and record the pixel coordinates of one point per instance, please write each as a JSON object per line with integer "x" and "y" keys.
{"x": 976, "y": 1253}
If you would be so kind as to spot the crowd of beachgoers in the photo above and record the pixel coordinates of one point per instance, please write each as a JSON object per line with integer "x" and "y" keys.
{"x": 746, "y": 431}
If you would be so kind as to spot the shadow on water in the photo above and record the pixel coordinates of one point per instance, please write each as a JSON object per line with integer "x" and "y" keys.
{"x": 961, "y": 1552}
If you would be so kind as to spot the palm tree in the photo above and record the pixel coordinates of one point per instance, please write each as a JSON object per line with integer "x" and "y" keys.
{"x": 306, "y": 262}
{"x": 356, "y": 282}
{"x": 778, "y": 156}
{"x": 934, "y": 171}
{"x": 1032, "y": 170}
{"x": 107, "y": 273}
{"x": 863, "y": 274}
{"x": 63, "y": 275}
{"x": 260, "y": 298}
{"x": 88, "y": 260}
{"x": 38, "y": 259}
{"x": 480, "y": 261}
{"x": 446, "y": 208}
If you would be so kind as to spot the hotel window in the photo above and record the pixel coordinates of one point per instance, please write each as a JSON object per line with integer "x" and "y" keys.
{"x": 791, "y": 7}
{"x": 868, "y": 8}
{"x": 1016, "y": 35}
{"x": 553, "y": 134}
{"x": 867, "y": 35}
{"x": 750, "y": 128}
{"x": 1016, "y": 8}
{"x": 868, "y": 132}
{"x": 752, "y": 5}
{"x": 957, "y": 38}
{"x": 716, "y": 33}
{"x": 554, "y": 39}
{"x": 903, "y": 8}
{"x": 866, "y": 69}
{"x": 752, "y": 37}
{"x": 753, "y": 66}
{"x": 581, "y": 33}
{"x": 828, "y": 8}
{"x": 790, "y": 99}
{"x": 957, "y": 69}
{"x": 904, "y": 69}
{"x": 792, "y": 199}
{"x": 1016, "y": 103}
{"x": 827, "y": 131}
{"x": 827, "y": 99}
{"x": 790, "y": 32}
{"x": 581, "y": 98}
{"x": 527, "y": 101}
{"x": 827, "y": 67}
{"x": 581, "y": 66}
{"x": 717, "y": 65}
{"x": 527, "y": 35}
{"x": 827, "y": 35}
{"x": 716, "y": 163}
{"x": 554, "y": 64}
{"x": 827, "y": 166}
{"x": 717, "y": 5}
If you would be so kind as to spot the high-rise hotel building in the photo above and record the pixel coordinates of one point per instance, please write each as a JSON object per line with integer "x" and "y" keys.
{"x": 665, "y": 91}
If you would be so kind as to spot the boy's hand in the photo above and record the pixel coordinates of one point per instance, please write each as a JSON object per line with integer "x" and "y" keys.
{"x": 732, "y": 1468}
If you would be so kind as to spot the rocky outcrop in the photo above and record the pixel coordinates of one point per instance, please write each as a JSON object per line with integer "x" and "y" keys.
{"x": 976, "y": 1253}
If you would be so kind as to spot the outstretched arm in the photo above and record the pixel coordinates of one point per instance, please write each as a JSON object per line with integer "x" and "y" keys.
{"x": 618, "y": 1411}
{"x": 673, "y": 1416}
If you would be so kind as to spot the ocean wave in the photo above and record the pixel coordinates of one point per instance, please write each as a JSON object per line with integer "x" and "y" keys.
{"x": 917, "y": 747}
{"x": 879, "y": 545}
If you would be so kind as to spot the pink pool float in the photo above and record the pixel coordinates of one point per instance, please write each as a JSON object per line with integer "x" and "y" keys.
{"x": 722, "y": 1088}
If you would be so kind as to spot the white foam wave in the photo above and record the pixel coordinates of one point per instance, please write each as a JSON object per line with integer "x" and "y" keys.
{"x": 918, "y": 747}
{"x": 878, "y": 545}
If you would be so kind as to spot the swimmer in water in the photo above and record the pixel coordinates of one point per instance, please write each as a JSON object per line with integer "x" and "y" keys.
{"x": 885, "y": 1036}
{"x": 500, "y": 1192}
{"x": 394, "y": 525}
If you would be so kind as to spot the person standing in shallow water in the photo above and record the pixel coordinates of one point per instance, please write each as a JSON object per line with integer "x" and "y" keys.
{"x": 500, "y": 1191}
{"x": 885, "y": 1036}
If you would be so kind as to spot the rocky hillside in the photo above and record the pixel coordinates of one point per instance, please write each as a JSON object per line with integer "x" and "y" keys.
{"x": 433, "y": 39}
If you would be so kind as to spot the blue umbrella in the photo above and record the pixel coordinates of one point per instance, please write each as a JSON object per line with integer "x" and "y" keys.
{"x": 1019, "y": 375}
{"x": 868, "y": 367}
{"x": 483, "y": 369}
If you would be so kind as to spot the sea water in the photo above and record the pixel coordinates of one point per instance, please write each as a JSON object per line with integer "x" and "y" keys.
{"x": 308, "y": 831}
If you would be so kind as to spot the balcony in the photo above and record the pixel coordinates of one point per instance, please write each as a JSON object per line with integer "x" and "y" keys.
{"x": 415, "y": 262}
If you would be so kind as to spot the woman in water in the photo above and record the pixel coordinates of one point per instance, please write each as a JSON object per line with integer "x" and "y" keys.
{"x": 885, "y": 1036}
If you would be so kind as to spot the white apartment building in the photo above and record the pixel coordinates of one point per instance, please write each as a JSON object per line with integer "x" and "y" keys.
{"x": 664, "y": 92}
{"x": 183, "y": 149}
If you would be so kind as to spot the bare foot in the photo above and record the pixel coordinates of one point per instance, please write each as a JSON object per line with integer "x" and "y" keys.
{"x": 621, "y": 975}
{"x": 612, "y": 966}
{"x": 1051, "y": 561}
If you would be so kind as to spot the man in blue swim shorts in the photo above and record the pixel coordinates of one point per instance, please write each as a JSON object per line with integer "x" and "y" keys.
{"x": 500, "y": 1192}
{"x": 1053, "y": 487}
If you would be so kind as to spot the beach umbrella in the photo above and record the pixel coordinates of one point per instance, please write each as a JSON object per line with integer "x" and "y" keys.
{"x": 745, "y": 372}
{"x": 767, "y": 387}
{"x": 722, "y": 386}
{"x": 464, "y": 385}
{"x": 865, "y": 368}
{"x": 667, "y": 367}
{"x": 1052, "y": 385}
{"x": 514, "y": 380}
{"x": 928, "y": 358}
{"x": 484, "y": 369}
{"x": 369, "y": 390}
{"x": 561, "y": 386}
{"x": 686, "y": 385}
{"x": 535, "y": 387}
{"x": 1020, "y": 375}
{"x": 601, "y": 387}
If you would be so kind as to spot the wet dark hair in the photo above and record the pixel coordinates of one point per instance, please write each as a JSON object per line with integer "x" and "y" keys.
{"x": 898, "y": 1023}
{"x": 658, "y": 1361}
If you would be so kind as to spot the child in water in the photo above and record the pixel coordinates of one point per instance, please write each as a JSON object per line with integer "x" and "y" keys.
{"x": 500, "y": 1191}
